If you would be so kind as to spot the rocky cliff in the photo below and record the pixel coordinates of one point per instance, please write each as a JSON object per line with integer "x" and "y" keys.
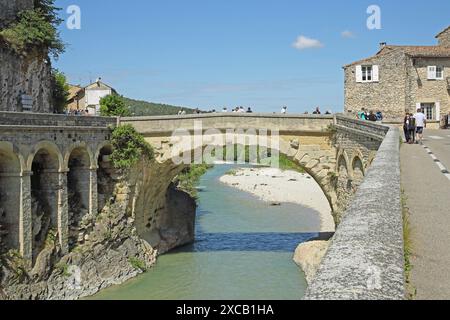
{"x": 27, "y": 74}
{"x": 10, "y": 8}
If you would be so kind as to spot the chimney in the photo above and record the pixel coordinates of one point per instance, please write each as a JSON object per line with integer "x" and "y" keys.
{"x": 382, "y": 45}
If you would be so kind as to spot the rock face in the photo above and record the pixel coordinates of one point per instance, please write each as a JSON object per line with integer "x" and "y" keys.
{"x": 309, "y": 256}
{"x": 10, "y": 8}
{"x": 28, "y": 74}
{"x": 34, "y": 79}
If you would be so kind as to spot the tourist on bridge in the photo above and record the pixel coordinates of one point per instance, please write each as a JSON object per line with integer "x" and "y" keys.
{"x": 317, "y": 111}
{"x": 224, "y": 110}
{"x": 249, "y": 110}
{"x": 284, "y": 110}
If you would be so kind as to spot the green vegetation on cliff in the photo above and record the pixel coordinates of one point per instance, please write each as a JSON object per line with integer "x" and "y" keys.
{"x": 188, "y": 180}
{"x": 129, "y": 147}
{"x": 35, "y": 29}
{"x": 144, "y": 108}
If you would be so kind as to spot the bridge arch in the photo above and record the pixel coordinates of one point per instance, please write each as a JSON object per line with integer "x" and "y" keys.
{"x": 11, "y": 167}
{"x": 79, "y": 162}
{"x": 46, "y": 164}
{"x": 105, "y": 170}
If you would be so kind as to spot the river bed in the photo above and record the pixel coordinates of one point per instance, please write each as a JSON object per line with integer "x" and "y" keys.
{"x": 243, "y": 250}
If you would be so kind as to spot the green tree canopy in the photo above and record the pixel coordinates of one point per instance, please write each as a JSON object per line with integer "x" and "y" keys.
{"x": 35, "y": 28}
{"x": 60, "y": 91}
{"x": 113, "y": 106}
{"x": 129, "y": 147}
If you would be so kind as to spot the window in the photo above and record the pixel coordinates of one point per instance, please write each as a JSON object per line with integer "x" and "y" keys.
{"x": 429, "y": 110}
{"x": 439, "y": 73}
{"x": 367, "y": 73}
{"x": 435, "y": 73}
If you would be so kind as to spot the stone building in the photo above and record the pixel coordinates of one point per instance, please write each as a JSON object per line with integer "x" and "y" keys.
{"x": 88, "y": 97}
{"x": 399, "y": 79}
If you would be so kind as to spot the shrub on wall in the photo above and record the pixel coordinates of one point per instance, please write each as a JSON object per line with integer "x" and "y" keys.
{"x": 129, "y": 147}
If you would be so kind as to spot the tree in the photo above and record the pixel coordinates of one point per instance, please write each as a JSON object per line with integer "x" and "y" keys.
{"x": 60, "y": 91}
{"x": 129, "y": 147}
{"x": 113, "y": 106}
{"x": 35, "y": 28}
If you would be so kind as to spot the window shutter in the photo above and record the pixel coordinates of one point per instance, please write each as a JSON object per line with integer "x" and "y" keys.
{"x": 359, "y": 74}
{"x": 375, "y": 73}
{"x": 431, "y": 72}
{"x": 438, "y": 111}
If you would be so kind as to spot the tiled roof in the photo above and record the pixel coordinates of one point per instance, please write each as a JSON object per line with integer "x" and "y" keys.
{"x": 412, "y": 51}
{"x": 445, "y": 30}
{"x": 425, "y": 51}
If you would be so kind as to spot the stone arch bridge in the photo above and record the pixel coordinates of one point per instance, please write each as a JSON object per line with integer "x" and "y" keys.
{"x": 336, "y": 151}
{"x": 51, "y": 167}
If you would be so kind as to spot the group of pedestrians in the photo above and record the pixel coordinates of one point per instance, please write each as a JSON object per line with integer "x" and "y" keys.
{"x": 414, "y": 126}
{"x": 370, "y": 115}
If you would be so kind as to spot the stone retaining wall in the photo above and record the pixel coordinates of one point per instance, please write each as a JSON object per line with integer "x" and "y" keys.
{"x": 366, "y": 257}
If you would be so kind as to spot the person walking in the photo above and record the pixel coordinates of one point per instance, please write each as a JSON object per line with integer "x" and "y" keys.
{"x": 421, "y": 124}
{"x": 406, "y": 122}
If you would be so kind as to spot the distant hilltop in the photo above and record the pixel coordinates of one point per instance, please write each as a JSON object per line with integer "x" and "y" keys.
{"x": 144, "y": 108}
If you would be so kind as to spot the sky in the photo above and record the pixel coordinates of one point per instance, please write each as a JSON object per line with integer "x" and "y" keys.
{"x": 257, "y": 53}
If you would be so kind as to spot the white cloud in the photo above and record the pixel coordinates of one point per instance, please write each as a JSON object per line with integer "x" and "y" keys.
{"x": 347, "y": 34}
{"x": 303, "y": 43}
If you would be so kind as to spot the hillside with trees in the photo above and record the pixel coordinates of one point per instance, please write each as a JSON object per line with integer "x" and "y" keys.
{"x": 144, "y": 108}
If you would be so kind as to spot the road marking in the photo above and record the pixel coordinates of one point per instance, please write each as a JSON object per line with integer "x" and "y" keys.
{"x": 441, "y": 167}
{"x": 436, "y": 138}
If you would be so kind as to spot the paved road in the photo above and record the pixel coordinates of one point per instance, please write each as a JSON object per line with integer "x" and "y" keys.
{"x": 428, "y": 192}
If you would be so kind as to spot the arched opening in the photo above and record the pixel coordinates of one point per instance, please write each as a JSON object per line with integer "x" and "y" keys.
{"x": 358, "y": 171}
{"x": 44, "y": 197}
{"x": 9, "y": 201}
{"x": 78, "y": 193}
{"x": 105, "y": 182}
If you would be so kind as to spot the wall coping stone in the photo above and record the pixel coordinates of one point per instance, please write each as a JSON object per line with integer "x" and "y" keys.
{"x": 366, "y": 258}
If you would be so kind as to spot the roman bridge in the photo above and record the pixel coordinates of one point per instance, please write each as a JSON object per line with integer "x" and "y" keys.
{"x": 334, "y": 150}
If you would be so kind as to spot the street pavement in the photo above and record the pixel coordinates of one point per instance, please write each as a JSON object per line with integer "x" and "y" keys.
{"x": 427, "y": 188}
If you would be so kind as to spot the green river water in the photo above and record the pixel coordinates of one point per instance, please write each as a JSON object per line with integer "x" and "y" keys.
{"x": 243, "y": 250}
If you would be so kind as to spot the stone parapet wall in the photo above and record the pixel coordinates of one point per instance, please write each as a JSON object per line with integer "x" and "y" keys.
{"x": 149, "y": 126}
{"x": 54, "y": 120}
{"x": 366, "y": 258}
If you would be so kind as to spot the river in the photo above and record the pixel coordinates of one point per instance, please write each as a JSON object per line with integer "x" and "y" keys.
{"x": 243, "y": 250}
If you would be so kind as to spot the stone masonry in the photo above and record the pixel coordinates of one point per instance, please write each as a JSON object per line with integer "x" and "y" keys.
{"x": 402, "y": 82}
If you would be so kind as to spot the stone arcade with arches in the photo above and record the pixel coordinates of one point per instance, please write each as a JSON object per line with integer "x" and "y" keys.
{"x": 48, "y": 179}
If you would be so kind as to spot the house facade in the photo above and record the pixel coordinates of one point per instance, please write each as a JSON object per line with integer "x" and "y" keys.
{"x": 400, "y": 79}
{"x": 88, "y": 98}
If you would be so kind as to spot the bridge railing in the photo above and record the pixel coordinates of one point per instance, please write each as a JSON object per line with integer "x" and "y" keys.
{"x": 373, "y": 129}
{"x": 365, "y": 260}
{"x": 53, "y": 120}
{"x": 168, "y": 124}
